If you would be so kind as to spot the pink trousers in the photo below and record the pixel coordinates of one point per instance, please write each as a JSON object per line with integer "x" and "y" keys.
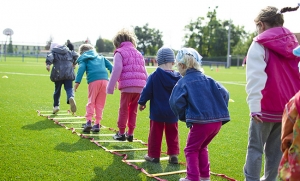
{"x": 96, "y": 100}
{"x": 128, "y": 112}
{"x": 196, "y": 152}
{"x": 155, "y": 138}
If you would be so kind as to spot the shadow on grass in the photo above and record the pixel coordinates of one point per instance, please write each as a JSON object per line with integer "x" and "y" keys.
{"x": 41, "y": 125}
{"x": 115, "y": 171}
{"x": 80, "y": 145}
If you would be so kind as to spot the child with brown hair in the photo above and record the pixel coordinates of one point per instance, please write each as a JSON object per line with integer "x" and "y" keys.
{"x": 130, "y": 73}
{"x": 96, "y": 67}
{"x": 272, "y": 80}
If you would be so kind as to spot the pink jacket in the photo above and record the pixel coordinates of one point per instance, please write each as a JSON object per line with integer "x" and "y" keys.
{"x": 282, "y": 71}
{"x": 133, "y": 72}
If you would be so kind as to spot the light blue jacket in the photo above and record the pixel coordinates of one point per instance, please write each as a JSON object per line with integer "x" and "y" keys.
{"x": 94, "y": 65}
{"x": 197, "y": 98}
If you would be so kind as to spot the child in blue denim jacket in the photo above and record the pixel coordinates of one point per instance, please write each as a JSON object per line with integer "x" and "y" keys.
{"x": 202, "y": 103}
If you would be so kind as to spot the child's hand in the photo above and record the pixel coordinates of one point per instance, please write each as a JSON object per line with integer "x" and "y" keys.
{"x": 142, "y": 107}
{"x": 257, "y": 119}
{"x": 76, "y": 86}
{"x": 48, "y": 67}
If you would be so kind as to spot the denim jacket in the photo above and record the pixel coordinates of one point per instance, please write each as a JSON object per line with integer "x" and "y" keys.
{"x": 197, "y": 98}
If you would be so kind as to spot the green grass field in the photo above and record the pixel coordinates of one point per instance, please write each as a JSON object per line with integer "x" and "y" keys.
{"x": 34, "y": 148}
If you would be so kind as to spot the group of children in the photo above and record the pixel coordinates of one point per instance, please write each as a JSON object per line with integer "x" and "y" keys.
{"x": 173, "y": 96}
{"x": 191, "y": 96}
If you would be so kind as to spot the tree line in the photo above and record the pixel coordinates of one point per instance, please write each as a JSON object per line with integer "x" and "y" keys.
{"x": 208, "y": 35}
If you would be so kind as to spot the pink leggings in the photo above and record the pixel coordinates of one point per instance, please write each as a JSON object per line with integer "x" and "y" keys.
{"x": 128, "y": 112}
{"x": 196, "y": 152}
{"x": 96, "y": 100}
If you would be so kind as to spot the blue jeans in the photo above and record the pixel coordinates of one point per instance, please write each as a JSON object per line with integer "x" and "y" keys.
{"x": 264, "y": 138}
{"x": 68, "y": 85}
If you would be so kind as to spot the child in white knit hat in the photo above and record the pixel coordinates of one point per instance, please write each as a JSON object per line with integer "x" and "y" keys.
{"x": 158, "y": 90}
{"x": 202, "y": 103}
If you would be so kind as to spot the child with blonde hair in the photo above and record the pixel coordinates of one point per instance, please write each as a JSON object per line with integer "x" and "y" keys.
{"x": 96, "y": 67}
{"x": 130, "y": 73}
{"x": 158, "y": 90}
{"x": 202, "y": 103}
{"x": 272, "y": 80}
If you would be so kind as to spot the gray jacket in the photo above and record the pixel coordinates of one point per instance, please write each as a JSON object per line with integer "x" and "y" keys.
{"x": 63, "y": 61}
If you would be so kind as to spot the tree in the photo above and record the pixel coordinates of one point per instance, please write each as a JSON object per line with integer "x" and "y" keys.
{"x": 108, "y": 45}
{"x": 149, "y": 39}
{"x": 48, "y": 43}
{"x": 10, "y": 46}
{"x": 100, "y": 45}
{"x": 210, "y": 37}
{"x": 104, "y": 45}
{"x": 243, "y": 45}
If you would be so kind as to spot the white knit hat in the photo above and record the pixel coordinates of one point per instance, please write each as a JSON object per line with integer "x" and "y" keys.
{"x": 188, "y": 51}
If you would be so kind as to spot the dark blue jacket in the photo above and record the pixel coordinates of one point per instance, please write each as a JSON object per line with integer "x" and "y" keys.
{"x": 197, "y": 98}
{"x": 158, "y": 90}
{"x": 63, "y": 61}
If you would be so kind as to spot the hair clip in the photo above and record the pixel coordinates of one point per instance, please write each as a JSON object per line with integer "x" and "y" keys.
{"x": 190, "y": 54}
{"x": 278, "y": 12}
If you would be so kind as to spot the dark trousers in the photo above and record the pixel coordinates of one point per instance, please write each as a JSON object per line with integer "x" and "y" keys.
{"x": 68, "y": 85}
{"x": 155, "y": 138}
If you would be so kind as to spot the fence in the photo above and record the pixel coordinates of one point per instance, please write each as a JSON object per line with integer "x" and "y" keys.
{"x": 221, "y": 61}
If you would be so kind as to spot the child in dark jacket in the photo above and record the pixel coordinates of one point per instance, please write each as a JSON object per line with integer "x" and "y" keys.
{"x": 158, "y": 90}
{"x": 62, "y": 73}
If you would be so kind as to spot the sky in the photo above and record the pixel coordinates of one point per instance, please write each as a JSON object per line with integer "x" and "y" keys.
{"x": 34, "y": 21}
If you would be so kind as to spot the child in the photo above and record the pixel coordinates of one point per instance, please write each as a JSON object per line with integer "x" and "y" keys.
{"x": 202, "y": 103}
{"x": 272, "y": 79}
{"x": 62, "y": 73}
{"x": 96, "y": 68}
{"x": 158, "y": 90}
{"x": 289, "y": 167}
{"x": 130, "y": 71}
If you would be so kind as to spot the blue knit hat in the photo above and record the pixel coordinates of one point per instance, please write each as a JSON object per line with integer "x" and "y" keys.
{"x": 296, "y": 51}
{"x": 165, "y": 55}
{"x": 188, "y": 51}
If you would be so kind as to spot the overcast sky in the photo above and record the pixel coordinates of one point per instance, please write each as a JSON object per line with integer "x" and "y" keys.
{"x": 34, "y": 21}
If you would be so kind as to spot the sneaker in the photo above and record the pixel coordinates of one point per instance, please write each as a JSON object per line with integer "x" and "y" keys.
{"x": 120, "y": 137}
{"x": 129, "y": 137}
{"x": 173, "y": 159}
{"x": 87, "y": 127}
{"x": 96, "y": 128}
{"x": 55, "y": 109}
{"x": 150, "y": 159}
{"x": 72, "y": 104}
{"x": 184, "y": 179}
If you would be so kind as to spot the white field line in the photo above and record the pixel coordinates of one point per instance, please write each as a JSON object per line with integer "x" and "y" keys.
{"x": 18, "y": 73}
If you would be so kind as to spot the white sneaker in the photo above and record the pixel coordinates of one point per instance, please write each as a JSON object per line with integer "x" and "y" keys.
{"x": 72, "y": 104}
{"x": 55, "y": 109}
{"x": 184, "y": 179}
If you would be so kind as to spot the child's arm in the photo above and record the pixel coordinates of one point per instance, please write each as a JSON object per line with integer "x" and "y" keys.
{"x": 80, "y": 72}
{"x": 108, "y": 65}
{"x": 146, "y": 93}
{"x": 178, "y": 101}
{"x": 49, "y": 61}
{"x": 116, "y": 72}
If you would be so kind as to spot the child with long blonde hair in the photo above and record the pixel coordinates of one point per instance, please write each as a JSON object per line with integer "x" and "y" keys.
{"x": 130, "y": 73}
